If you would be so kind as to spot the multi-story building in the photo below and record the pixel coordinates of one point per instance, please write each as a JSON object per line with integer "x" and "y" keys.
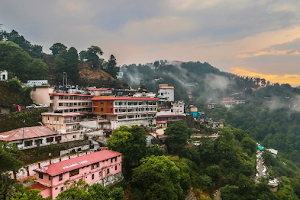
{"x": 65, "y": 124}
{"x": 177, "y": 107}
{"x": 40, "y": 95}
{"x": 166, "y": 92}
{"x": 126, "y": 111}
{"x": 103, "y": 167}
{"x": 31, "y": 137}
{"x": 68, "y": 103}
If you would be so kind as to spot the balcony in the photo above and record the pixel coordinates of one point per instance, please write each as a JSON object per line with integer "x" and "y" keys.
{"x": 69, "y": 121}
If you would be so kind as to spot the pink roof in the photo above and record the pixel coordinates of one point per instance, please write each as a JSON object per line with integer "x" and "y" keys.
{"x": 78, "y": 162}
{"x": 98, "y": 89}
{"x": 124, "y": 98}
{"x": 26, "y": 133}
{"x": 70, "y": 94}
{"x": 161, "y": 122}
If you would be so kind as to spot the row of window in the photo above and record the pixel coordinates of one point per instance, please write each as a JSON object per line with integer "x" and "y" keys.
{"x": 74, "y": 98}
{"x": 78, "y": 110}
{"x": 134, "y": 103}
{"x": 134, "y": 110}
{"x": 135, "y": 116}
{"x": 76, "y": 104}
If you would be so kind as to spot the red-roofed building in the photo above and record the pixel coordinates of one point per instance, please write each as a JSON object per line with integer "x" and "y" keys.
{"x": 126, "y": 111}
{"x": 103, "y": 167}
{"x": 30, "y": 137}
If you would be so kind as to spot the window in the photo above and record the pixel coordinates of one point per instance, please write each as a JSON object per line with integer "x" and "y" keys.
{"x": 74, "y": 136}
{"x": 101, "y": 102}
{"x": 111, "y": 160}
{"x": 49, "y": 177}
{"x": 93, "y": 176}
{"x": 56, "y": 188}
{"x": 116, "y": 158}
{"x": 101, "y": 109}
{"x": 107, "y": 171}
{"x": 97, "y": 164}
{"x": 62, "y": 189}
{"x": 60, "y": 177}
{"x": 41, "y": 175}
{"x": 100, "y": 174}
{"x": 49, "y": 139}
{"x": 92, "y": 167}
{"x": 74, "y": 172}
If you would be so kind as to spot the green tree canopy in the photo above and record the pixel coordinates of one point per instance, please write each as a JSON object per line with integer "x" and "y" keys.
{"x": 177, "y": 135}
{"x": 156, "y": 178}
{"x": 57, "y": 48}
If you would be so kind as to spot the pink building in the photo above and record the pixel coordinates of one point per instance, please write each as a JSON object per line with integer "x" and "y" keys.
{"x": 103, "y": 167}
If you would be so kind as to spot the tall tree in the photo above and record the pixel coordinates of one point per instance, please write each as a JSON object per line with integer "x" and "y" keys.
{"x": 93, "y": 54}
{"x": 112, "y": 66}
{"x": 177, "y": 135}
{"x": 156, "y": 178}
{"x": 57, "y": 48}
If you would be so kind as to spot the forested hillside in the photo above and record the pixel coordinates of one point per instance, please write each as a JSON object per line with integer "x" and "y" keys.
{"x": 27, "y": 61}
{"x": 206, "y": 82}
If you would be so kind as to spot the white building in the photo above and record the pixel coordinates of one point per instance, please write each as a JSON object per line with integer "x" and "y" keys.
{"x": 125, "y": 111}
{"x": 177, "y": 107}
{"x": 33, "y": 83}
{"x": 3, "y": 75}
{"x": 166, "y": 92}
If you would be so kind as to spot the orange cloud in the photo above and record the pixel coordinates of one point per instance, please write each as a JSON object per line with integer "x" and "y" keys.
{"x": 292, "y": 79}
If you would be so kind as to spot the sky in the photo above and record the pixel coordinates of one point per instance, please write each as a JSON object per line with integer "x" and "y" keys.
{"x": 244, "y": 37}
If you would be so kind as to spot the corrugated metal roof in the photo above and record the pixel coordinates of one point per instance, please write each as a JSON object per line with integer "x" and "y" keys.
{"x": 78, "y": 162}
{"x": 26, "y": 133}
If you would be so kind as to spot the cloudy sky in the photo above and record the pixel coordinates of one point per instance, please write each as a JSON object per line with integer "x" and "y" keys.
{"x": 258, "y": 38}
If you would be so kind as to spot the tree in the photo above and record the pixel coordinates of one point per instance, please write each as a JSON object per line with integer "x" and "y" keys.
{"x": 9, "y": 157}
{"x": 92, "y": 55}
{"x": 177, "y": 135}
{"x": 131, "y": 142}
{"x": 206, "y": 150}
{"x": 67, "y": 61}
{"x": 37, "y": 69}
{"x": 57, "y": 48}
{"x": 112, "y": 66}
{"x": 156, "y": 178}
{"x": 249, "y": 145}
{"x": 156, "y": 64}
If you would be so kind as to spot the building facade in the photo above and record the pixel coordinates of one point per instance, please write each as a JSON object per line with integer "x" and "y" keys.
{"x": 69, "y": 103}
{"x": 103, "y": 167}
{"x": 40, "y": 95}
{"x": 126, "y": 111}
{"x": 177, "y": 107}
{"x": 166, "y": 92}
{"x": 64, "y": 124}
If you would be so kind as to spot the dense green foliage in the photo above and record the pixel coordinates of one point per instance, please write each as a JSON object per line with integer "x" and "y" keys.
{"x": 270, "y": 116}
{"x": 82, "y": 191}
{"x": 11, "y": 92}
{"x": 177, "y": 135}
{"x": 35, "y": 51}
{"x": 19, "y": 63}
{"x": 67, "y": 61}
{"x": 18, "y": 120}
